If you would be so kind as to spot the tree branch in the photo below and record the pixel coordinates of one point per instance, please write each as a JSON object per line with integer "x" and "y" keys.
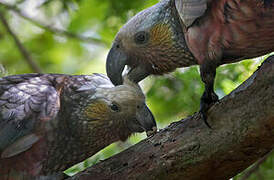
{"x": 20, "y": 46}
{"x": 242, "y": 132}
{"x": 53, "y": 29}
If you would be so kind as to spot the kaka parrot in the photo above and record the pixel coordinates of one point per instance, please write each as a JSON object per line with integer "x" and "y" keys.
{"x": 182, "y": 33}
{"x": 49, "y": 122}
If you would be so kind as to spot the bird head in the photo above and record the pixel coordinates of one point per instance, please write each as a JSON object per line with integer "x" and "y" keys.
{"x": 152, "y": 42}
{"x": 117, "y": 111}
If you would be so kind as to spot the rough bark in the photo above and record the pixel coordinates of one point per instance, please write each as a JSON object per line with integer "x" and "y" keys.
{"x": 242, "y": 132}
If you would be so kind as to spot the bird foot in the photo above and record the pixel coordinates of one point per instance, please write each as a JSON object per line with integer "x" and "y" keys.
{"x": 207, "y": 100}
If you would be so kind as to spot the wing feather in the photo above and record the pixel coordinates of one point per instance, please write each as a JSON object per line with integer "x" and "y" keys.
{"x": 190, "y": 10}
{"x": 24, "y": 101}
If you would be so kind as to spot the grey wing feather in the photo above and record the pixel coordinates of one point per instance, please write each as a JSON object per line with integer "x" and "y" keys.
{"x": 24, "y": 100}
{"x": 21, "y": 145}
{"x": 190, "y": 10}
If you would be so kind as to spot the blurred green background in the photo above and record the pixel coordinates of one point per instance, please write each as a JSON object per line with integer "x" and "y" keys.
{"x": 73, "y": 36}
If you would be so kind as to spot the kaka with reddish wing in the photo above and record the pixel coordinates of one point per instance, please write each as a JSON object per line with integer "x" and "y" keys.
{"x": 49, "y": 122}
{"x": 182, "y": 33}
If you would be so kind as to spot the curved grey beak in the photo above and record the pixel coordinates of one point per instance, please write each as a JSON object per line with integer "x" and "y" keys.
{"x": 146, "y": 119}
{"x": 116, "y": 62}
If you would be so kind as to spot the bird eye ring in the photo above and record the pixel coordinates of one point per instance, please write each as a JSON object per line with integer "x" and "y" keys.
{"x": 141, "y": 37}
{"x": 115, "y": 107}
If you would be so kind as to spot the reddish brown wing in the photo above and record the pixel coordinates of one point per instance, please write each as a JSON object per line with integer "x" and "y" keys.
{"x": 27, "y": 102}
{"x": 227, "y": 30}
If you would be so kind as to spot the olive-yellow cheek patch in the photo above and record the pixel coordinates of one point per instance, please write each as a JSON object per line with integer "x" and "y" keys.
{"x": 97, "y": 110}
{"x": 161, "y": 35}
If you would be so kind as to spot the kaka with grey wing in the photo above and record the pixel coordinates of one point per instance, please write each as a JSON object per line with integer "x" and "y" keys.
{"x": 49, "y": 122}
{"x": 182, "y": 33}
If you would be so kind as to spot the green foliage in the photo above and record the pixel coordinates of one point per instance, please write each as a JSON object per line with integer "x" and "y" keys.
{"x": 170, "y": 97}
{"x": 177, "y": 95}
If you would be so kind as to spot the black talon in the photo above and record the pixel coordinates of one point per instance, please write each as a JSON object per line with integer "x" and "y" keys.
{"x": 204, "y": 117}
{"x": 206, "y": 103}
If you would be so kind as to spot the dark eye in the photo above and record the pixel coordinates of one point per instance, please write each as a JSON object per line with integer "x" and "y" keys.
{"x": 141, "y": 37}
{"x": 139, "y": 106}
{"x": 114, "y": 107}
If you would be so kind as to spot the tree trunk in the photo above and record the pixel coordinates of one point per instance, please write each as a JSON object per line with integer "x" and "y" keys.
{"x": 242, "y": 132}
